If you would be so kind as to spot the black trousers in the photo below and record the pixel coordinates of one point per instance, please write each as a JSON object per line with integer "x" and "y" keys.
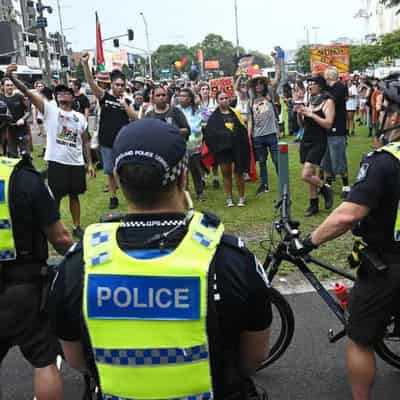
{"x": 196, "y": 170}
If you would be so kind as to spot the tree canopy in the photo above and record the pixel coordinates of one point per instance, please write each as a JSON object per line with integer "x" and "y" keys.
{"x": 214, "y": 47}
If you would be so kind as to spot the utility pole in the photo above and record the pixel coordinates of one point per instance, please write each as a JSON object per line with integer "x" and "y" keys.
{"x": 61, "y": 28}
{"x": 148, "y": 45}
{"x": 237, "y": 31}
{"x": 315, "y": 28}
{"x": 42, "y": 27}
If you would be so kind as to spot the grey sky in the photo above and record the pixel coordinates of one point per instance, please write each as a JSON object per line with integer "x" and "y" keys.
{"x": 262, "y": 23}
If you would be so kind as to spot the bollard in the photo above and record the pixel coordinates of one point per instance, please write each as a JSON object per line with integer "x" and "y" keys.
{"x": 283, "y": 170}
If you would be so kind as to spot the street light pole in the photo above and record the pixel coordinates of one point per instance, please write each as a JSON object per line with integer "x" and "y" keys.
{"x": 47, "y": 71}
{"x": 148, "y": 45}
{"x": 237, "y": 30}
{"x": 61, "y": 28}
{"x": 315, "y": 28}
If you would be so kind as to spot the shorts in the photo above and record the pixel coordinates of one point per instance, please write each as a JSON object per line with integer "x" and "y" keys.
{"x": 335, "y": 159}
{"x": 108, "y": 161}
{"x": 66, "y": 179}
{"x": 312, "y": 152}
{"x": 23, "y": 326}
{"x": 224, "y": 157}
{"x": 372, "y": 302}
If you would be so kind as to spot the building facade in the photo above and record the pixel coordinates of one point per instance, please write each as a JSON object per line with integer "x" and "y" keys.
{"x": 20, "y": 40}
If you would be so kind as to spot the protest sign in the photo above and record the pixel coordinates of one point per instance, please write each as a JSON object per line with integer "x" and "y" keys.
{"x": 224, "y": 84}
{"x": 322, "y": 57}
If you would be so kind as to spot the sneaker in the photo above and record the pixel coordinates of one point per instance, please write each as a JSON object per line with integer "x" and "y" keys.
{"x": 345, "y": 192}
{"x": 106, "y": 189}
{"x": 77, "y": 232}
{"x": 262, "y": 189}
{"x": 230, "y": 203}
{"x": 246, "y": 177}
{"x": 327, "y": 193}
{"x": 114, "y": 203}
{"x": 241, "y": 202}
{"x": 216, "y": 184}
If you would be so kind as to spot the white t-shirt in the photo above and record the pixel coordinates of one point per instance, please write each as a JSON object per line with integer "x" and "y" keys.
{"x": 64, "y": 131}
{"x": 352, "y": 102}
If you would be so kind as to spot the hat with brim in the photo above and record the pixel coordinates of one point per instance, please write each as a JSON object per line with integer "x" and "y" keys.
{"x": 138, "y": 79}
{"x": 258, "y": 77}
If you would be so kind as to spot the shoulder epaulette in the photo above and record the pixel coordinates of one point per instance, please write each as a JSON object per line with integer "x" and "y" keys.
{"x": 234, "y": 242}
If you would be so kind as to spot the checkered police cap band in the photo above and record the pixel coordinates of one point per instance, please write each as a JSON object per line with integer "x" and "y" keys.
{"x": 169, "y": 174}
{"x": 175, "y": 172}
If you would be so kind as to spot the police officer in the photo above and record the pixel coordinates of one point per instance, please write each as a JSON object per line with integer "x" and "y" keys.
{"x": 183, "y": 307}
{"x": 28, "y": 218}
{"x": 371, "y": 209}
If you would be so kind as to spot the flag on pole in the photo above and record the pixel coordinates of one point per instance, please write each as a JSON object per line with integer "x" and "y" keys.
{"x": 99, "y": 47}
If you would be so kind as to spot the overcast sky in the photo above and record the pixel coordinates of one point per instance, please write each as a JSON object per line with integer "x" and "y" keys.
{"x": 262, "y": 23}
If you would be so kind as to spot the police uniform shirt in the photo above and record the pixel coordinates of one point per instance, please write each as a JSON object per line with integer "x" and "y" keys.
{"x": 32, "y": 208}
{"x": 242, "y": 295}
{"x": 377, "y": 186}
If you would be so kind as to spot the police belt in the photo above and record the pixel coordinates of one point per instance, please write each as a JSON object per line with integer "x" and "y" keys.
{"x": 14, "y": 273}
{"x": 370, "y": 258}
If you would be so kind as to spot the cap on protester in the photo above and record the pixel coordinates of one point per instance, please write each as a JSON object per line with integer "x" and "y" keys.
{"x": 154, "y": 143}
{"x": 319, "y": 80}
{"x": 63, "y": 88}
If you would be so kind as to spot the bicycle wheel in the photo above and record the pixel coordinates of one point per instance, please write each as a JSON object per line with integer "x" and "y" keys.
{"x": 282, "y": 328}
{"x": 388, "y": 349}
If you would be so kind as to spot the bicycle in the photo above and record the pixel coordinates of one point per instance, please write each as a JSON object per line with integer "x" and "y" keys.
{"x": 388, "y": 348}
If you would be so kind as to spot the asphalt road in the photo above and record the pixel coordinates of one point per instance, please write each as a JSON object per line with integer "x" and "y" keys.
{"x": 310, "y": 369}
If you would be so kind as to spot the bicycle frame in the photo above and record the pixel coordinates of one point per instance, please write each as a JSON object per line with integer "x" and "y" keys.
{"x": 271, "y": 266}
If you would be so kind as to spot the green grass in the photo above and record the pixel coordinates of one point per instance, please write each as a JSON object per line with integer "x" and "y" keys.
{"x": 253, "y": 222}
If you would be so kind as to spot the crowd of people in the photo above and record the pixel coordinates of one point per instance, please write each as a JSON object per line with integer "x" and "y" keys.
{"x": 225, "y": 136}
{"x": 203, "y": 285}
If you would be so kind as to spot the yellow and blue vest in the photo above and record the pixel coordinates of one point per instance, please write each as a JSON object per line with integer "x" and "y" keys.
{"x": 7, "y": 243}
{"x": 394, "y": 149}
{"x": 146, "y": 318}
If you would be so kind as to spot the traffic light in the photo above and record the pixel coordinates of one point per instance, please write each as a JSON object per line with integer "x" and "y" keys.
{"x": 64, "y": 61}
{"x": 116, "y": 42}
{"x": 130, "y": 34}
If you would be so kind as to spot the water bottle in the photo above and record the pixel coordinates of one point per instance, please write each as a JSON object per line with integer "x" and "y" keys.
{"x": 342, "y": 294}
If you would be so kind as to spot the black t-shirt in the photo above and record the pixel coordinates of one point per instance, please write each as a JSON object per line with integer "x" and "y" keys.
{"x": 17, "y": 107}
{"x": 112, "y": 118}
{"x": 32, "y": 208}
{"x": 241, "y": 293}
{"x": 378, "y": 187}
{"x": 339, "y": 93}
{"x": 173, "y": 116}
{"x": 80, "y": 103}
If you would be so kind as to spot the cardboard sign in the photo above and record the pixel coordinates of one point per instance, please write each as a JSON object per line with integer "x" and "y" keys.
{"x": 211, "y": 64}
{"x": 225, "y": 84}
{"x": 322, "y": 57}
{"x": 243, "y": 64}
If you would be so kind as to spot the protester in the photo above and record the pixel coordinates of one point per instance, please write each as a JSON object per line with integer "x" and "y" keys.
{"x": 242, "y": 98}
{"x": 351, "y": 106}
{"x": 317, "y": 118}
{"x": 263, "y": 126}
{"x": 81, "y": 102}
{"x": 190, "y": 109}
{"x": 164, "y": 111}
{"x": 17, "y": 130}
{"x": 115, "y": 113}
{"x": 299, "y": 93}
{"x": 207, "y": 106}
{"x": 226, "y": 137}
{"x": 376, "y": 102}
{"x": 335, "y": 159}
{"x": 138, "y": 100}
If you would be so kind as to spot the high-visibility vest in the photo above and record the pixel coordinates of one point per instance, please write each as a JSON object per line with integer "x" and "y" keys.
{"x": 7, "y": 243}
{"x": 146, "y": 318}
{"x": 394, "y": 149}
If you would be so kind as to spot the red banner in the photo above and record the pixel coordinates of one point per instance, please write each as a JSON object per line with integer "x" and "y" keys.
{"x": 99, "y": 46}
